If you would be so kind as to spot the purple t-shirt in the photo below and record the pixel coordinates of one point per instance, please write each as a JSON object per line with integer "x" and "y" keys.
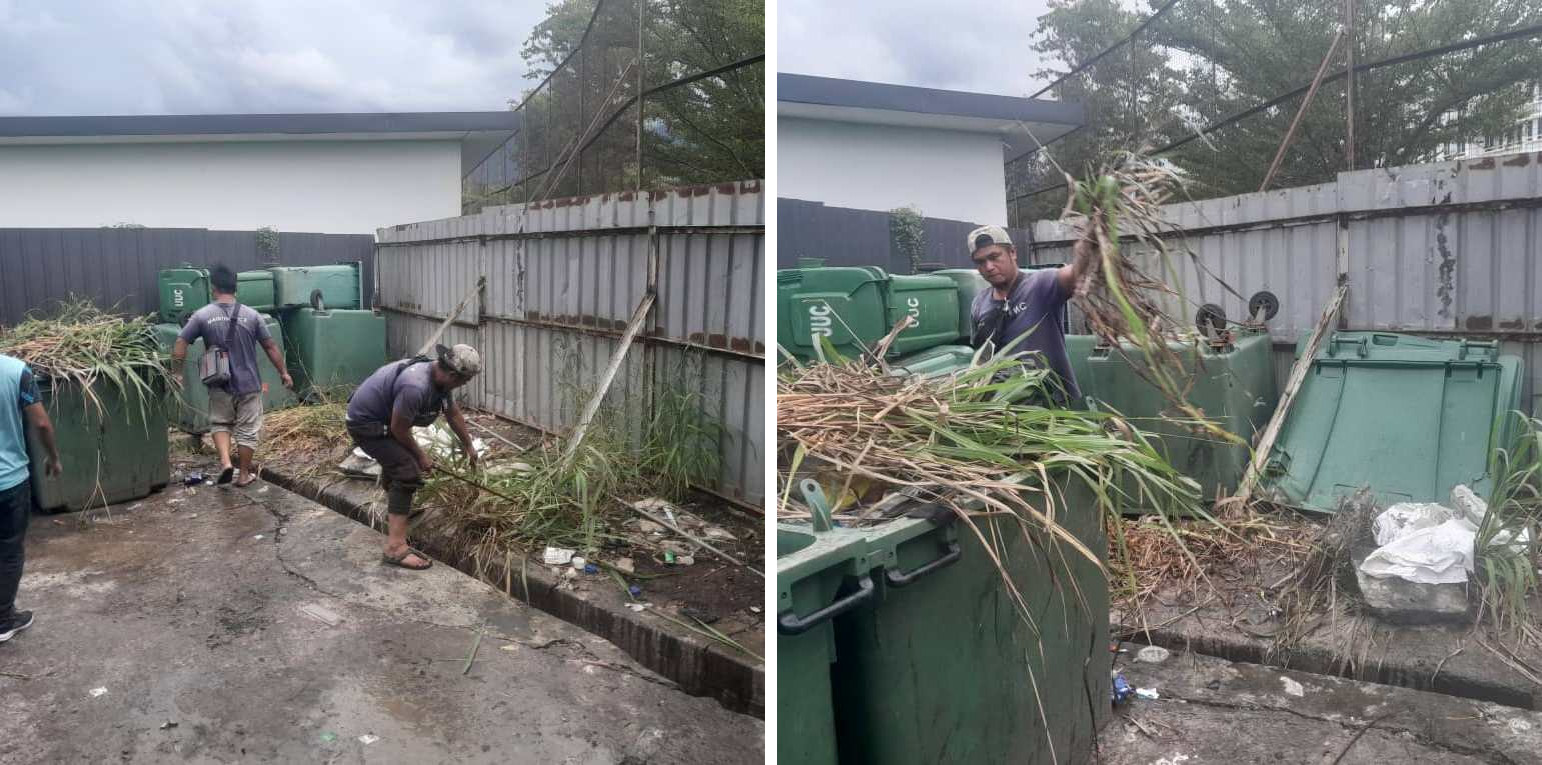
{"x": 211, "y": 323}
{"x": 394, "y": 390}
{"x": 1033, "y": 303}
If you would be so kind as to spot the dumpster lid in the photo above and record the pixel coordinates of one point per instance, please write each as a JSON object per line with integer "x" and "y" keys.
{"x": 1408, "y": 417}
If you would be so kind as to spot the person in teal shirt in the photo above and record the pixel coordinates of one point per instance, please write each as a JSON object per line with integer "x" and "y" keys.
{"x": 20, "y": 406}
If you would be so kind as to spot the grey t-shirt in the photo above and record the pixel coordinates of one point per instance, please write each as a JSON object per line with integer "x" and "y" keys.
{"x": 410, "y": 392}
{"x": 1033, "y": 303}
{"x": 211, "y": 323}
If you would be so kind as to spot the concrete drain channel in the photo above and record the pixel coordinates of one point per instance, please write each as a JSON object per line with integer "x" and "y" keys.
{"x": 698, "y": 667}
{"x": 1486, "y": 679}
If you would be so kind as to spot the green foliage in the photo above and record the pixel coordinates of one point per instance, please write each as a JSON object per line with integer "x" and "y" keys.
{"x": 907, "y": 234}
{"x": 267, "y": 243}
{"x": 1207, "y": 59}
{"x": 81, "y": 345}
{"x": 1507, "y": 568}
{"x": 711, "y": 130}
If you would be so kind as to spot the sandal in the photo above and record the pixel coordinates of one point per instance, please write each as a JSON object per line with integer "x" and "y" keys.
{"x": 401, "y": 560}
{"x": 251, "y": 478}
{"x": 226, "y": 475}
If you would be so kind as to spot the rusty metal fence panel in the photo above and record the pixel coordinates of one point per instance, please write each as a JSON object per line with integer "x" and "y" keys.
{"x": 1439, "y": 249}
{"x": 564, "y": 277}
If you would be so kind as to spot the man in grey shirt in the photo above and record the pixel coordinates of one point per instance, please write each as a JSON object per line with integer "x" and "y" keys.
{"x": 1021, "y": 313}
{"x": 381, "y": 415}
{"x": 235, "y": 406}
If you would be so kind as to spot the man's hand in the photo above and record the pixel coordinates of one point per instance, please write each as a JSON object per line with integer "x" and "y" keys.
{"x": 425, "y": 463}
{"x": 288, "y": 381}
{"x": 471, "y": 459}
{"x": 52, "y": 468}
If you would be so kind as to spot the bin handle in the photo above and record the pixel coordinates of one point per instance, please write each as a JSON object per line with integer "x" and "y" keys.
{"x": 907, "y": 578}
{"x": 789, "y": 623}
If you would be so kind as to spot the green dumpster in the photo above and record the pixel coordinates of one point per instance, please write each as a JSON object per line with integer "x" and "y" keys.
{"x": 818, "y": 576}
{"x": 114, "y": 453}
{"x": 337, "y": 286}
{"x": 1231, "y": 382}
{"x": 185, "y": 289}
{"x": 190, "y": 412}
{"x": 931, "y": 302}
{"x": 939, "y": 666}
{"x": 855, "y": 307}
{"x": 1409, "y": 417}
{"x": 328, "y": 350}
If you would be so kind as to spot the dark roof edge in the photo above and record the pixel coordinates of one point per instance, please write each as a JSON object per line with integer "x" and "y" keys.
{"x": 830, "y": 91}
{"x": 234, "y": 124}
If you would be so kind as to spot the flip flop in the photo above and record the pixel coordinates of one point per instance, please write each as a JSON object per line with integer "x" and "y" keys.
{"x": 226, "y": 475}
{"x": 400, "y": 560}
{"x": 250, "y": 479}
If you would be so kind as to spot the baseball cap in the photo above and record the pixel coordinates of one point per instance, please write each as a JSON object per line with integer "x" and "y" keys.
{"x": 461, "y": 359}
{"x": 986, "y": 236}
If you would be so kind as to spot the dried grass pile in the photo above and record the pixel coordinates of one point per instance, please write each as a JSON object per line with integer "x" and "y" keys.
{"x": 79, "y": 344}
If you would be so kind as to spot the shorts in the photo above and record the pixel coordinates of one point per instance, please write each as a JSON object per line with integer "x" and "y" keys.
{"x": 238, "y": 415}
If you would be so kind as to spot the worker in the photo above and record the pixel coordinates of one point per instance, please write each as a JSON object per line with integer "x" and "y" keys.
{"x": 1021, "y": 312}
{"x": 25, "y": 407}
{"x": 235, "y": 405}
{"x": 381, "y": 415}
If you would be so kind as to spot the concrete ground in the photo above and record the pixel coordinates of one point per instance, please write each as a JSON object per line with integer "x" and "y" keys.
{"x": 223, "y": 625}
{"x": 1215, "y": 711}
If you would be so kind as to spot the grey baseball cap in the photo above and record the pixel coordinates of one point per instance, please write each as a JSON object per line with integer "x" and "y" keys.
{"x": 986, "y": 236}
{"x": 461, "y": 359}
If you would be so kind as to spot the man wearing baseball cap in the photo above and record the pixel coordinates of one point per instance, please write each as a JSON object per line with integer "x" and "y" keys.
{"x": 1021, "y": 312}
{"x": 381, "y": 415}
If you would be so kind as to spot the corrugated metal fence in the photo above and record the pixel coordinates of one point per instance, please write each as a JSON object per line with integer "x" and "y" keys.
{"x": 1440, "y": 249}
{"x": 564, "y": 277}
{"x": 118, "y": 266}
{"x": 843, "y": 236}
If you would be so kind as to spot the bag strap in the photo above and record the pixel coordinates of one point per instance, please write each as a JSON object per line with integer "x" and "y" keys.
{"x": 230, "y": 329}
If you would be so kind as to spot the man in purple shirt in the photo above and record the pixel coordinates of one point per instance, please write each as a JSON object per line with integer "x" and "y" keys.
{"x": 235, "y": 407}
{"x": 1021, "y": 313}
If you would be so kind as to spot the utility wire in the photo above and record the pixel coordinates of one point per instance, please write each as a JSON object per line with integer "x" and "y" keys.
{"x": 1534, "y": 30}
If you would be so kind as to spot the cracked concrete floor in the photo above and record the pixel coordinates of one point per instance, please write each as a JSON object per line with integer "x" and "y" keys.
{"x": 253, "y": 625}
{"x": 1214, "y": 711}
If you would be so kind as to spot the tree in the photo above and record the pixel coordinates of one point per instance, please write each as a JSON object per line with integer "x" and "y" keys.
{"x": 705, "y": 131}
{"x": 1207, "y": 59}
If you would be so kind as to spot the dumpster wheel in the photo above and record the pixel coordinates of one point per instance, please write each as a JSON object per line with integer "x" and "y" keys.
{"x": 316, "y": 301}
{"x": 1210, "y": 320}
{"x": 1264, "y": 302}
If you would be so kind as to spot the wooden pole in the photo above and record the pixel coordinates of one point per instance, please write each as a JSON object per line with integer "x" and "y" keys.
{"x": 448, "y": 320}
{"x": 1325, "y": 326}
{"x": 1290, "y": 134}
{"x": 605, "y": 380}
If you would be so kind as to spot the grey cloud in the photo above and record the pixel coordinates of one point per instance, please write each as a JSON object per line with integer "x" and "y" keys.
{"x": 973, "y": 45}
{"x": 153, "y": 56}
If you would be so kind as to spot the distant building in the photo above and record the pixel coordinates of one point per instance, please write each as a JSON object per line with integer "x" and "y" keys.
{"x": 1525, "y": 135}
{"x": 872, "y": 146}
{"x": 324, "y": 173}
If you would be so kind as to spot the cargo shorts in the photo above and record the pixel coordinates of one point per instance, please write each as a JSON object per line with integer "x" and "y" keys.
{"x": 241, "y": 416}
{"x": 399, "y": 472}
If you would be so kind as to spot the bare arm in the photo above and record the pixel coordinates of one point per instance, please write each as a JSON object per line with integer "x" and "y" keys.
{"x": 457, "y": 422}
{"x": 277, "y": 357}
{"x": 179, "y": 351}
{"x": 1071, "y": 273}
{"x": 37, "y": 417}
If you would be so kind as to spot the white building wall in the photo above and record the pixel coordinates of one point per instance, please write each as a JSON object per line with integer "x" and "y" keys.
{"x": 944, "y": 173}
{"x": 333, "y": 187}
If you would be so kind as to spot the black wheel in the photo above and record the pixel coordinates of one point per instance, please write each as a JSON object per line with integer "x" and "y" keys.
{"x": 1210, "y": 319}
{"x": 1263, "y": 302}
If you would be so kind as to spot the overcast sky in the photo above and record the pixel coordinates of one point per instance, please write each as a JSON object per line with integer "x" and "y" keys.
{"x": 261, "y": 56}
{"x": 973, "y": 45}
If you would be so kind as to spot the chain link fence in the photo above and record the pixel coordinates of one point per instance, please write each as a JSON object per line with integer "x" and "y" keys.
{"x": 656, "y": 94}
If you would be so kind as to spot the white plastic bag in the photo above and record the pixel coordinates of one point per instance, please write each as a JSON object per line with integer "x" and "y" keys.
{"x": 1437, "y": 555}
{"x": 1405, "y": 517}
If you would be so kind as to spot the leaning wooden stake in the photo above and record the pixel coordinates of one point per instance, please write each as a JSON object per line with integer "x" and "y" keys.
{"x": 1325, "y": 325}
{"x": 610, "y": 374}
{"x": 1301, "y": 112}
{"x": 448, "y": 320}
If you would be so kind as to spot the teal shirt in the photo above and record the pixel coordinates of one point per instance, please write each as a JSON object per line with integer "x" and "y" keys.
{"x": 17, "y": 390}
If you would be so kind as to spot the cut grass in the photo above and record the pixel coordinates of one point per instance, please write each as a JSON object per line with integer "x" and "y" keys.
{"x": 80, "y": 345}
